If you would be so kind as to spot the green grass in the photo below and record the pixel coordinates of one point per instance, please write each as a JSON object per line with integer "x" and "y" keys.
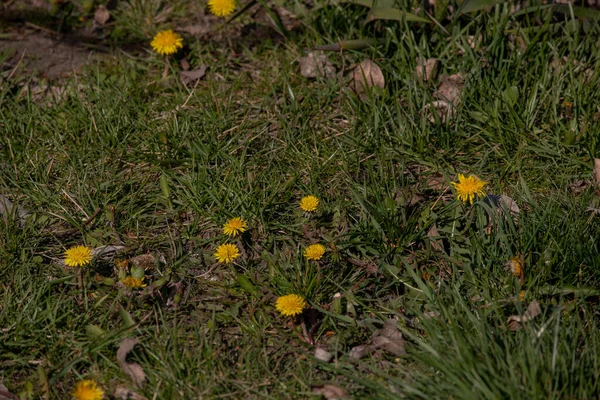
{"x": 251, "y": 140}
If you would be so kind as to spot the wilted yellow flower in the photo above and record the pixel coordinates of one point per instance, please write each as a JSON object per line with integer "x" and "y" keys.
{"x": 166, "y": 42}
{"x": 133, "y": 282}
{"x": 469, "y": 187}
{"x": 515, "y": 265}
{"x": 314, "y": 251}
{"x": 87, "y": 390}
{"x": 221, "y": 8}
{"x": 290, "y": 305}
{"x": 78, "y": 256}
{"x": 226, "y": 253}
{"x": 124, "y": 263}
{"x": 235, "y": 226}
{"x": 522, "y": 296}
{"x": 309, "y": 203}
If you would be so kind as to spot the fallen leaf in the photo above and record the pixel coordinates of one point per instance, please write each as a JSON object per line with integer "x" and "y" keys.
{"x": 597, "y": 171}
{"x": 427, "y": 68}
{"x": 365, "y": 76}
{"x": 5, "y": 394}
{"x": 9, "y": 211}
{"x": 316, "y": 64}
{"x": 433, "y": 236}
{"x": 439, "y": 110}
{"x": 358, "y": 352}
{"x": 133, "y": 369}
{"x": 515, "y": 322}
{"x": 107, "y": 251}
{"x": 189, "y": 77}
{"x": 330, "y": 392}
{"x": 579, "y": 186}
{"x": 323, "y": 355}
{"x": 124, "y": 393}
{"x": 145, "y": 261}
{"x": 389, "y": 338}
{"x": 102, "y": 15}
{"x": 185, "y": 64}
{"x": 450, "y": 88}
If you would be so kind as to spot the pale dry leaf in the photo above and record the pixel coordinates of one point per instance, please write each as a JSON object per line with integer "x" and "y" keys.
{"x": 124, "y": 393}
{"x": 439, "y": 110}
{"x": 510, "y": 204}
{"x": 427, "y": 68}
{"x": 389, "y": 338}
{"x": 9, "y": 211}
{"x": 330, "y": 392}
{"x": 107, "y": 251}
{"x": 597, "y": 171}
{"x": 450, "y": 88}
{"x": 133, "y": 369}
{"x": 433, "y": 236}
{"x": 365, "y": 76}
{"x": 515, "y": 322}
{"x": 323, "y": 355}
{"x": 101, "y": 15}
{"x": 316, "y": 64}
{"x": 189, "y": 77}
{"x": 358, "y": 352}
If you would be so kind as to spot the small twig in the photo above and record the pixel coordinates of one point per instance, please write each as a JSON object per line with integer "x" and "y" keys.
{"x": 90, "y": 219}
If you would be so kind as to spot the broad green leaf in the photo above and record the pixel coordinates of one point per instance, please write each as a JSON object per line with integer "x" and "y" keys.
{"x": 394, "y": 14}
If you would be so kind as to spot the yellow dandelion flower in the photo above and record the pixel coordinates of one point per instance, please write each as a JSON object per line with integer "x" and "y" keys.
{"x": 221, "y": 8}
{"x": 226, "y": 253}
{"x": 235, "y": 226}
{"x": 309, "y": 203}
{"x": 87, "y": 390}
{"x": 314, "y": 251}
{"x": 78, "y": 256}
{"x": 166, "y": 42}
{"x": 515, "y": 266}
{"x": 522, "y": 296}
{"x": 133, "y": 282}
{"x": 468, "y": 187}
{"x": 290, "y": 305}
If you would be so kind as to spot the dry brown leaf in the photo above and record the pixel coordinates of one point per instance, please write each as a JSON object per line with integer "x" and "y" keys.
{"x": 189, "y": 77}
{"x": 316, "y": 64}
{"x": 102, "y": 15}
{"x": 450, "y": 88}
{"x": 133, "y": 369}
{"x": 515, "y": 322}
{"x": 597, "y": 171}
{"x": 579, "y": 186}
{"x": 124, "y": 393}
{"x": 427, "y": 68}
{"x": 439, "y": 110}
{"x": 433, "y": 236}
{"x": 358, "y": 352}
{"x": 365, "y": 76}
{"x": 389, "y": 338}
{"x": 330, "y": 392}
{"x": 5, "y": 394}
